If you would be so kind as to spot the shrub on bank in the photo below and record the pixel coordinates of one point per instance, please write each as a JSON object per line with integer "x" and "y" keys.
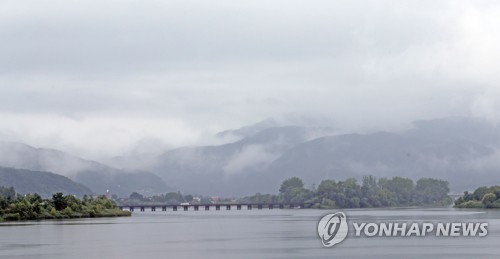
{"x": 33, "y": 207}
{"x": 482, "y": 197}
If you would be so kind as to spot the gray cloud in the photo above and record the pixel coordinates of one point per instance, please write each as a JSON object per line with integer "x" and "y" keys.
{"x": 78, "y": 74}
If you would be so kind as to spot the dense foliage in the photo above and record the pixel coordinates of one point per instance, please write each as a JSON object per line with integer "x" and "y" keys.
{"x": 482, "y": 197}
{"x": 32, "y": 207}
{"x": 395, "y": 192}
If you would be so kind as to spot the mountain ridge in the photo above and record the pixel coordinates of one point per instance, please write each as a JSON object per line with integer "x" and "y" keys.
{"x": 22, "y": 156}
{"x": 43, "y": 183}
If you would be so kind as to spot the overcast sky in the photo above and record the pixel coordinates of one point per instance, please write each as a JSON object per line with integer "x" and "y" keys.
{"x": 101, "y": 77}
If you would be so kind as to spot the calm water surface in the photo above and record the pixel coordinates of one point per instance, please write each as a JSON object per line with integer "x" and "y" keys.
{"x": 241, "y": 234}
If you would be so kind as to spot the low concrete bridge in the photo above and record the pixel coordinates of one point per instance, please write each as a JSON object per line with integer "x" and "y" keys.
{"x": 197, "y": 207}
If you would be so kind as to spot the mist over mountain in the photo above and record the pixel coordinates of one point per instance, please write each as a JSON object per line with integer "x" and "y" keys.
{"x": 96, "y": 176}
{"x": 123, "y": 184}
{"x": 19, "y": 155}
{"x": 147, "y": 87}
{"x": 456, "y": 149}
{"x": 250, "y": 130}
{"x": 43, "y": 183}
{"x": 213, "y": 169}
{"x": 461, "y": 150}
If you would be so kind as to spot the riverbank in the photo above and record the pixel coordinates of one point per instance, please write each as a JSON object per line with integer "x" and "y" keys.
{"x": 14, "y": 207}
{"x": 44, "y": 216}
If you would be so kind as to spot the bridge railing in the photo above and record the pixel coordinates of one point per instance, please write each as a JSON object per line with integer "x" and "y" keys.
{"x": 216, "y": 206}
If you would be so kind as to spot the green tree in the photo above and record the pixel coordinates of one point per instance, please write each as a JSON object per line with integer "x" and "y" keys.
{"x": 59, "y": 201}
{"x": 7, "y": 193}
{"x": 402, "y": 189}
{"x": 73, "y": 203}
{"x": 290, "y": 184}
{"x": 136, "y": 196}
{"x": 488, "y": 199}
{"x": 292, "y": 189}
{"x": 430, "y": 191}
{"x": 369, "y": 191}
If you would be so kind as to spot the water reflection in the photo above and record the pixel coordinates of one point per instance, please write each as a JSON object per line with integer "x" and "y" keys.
{"x": 238, "y": 234}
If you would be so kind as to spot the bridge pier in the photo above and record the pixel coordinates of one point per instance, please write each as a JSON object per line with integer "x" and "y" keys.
{"x": 238, "y": 207}
{"x": 217, "y": 207}
{"x": 142, "y": 208}
{"x": 153, "y": 208}
{"x": 207, "y": 207}
{"x": 174, "y": 208}
{"x": 259, "y": 206}
{"x": 271, "y": 206}
{"x": 185, "y": 207}
{"x": 282, "y": 206}
{"x": 164, "y": 208}
{"x": 131, "y": 209}
{"x": 196, "y": 207}
{"x": 249, "y": 207}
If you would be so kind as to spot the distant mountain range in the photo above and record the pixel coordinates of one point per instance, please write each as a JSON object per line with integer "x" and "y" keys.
{"x": 463, "y": 151}
{"x": 214, "y": 169}
{"x": 43, "y": 183}
{"x": 458, "y": 150}
{"x": 98, "y": 177}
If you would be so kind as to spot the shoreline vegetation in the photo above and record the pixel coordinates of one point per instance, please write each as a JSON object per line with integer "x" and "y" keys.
{"x": 371, "y": 193}
{"x": 329, "y": 194}
{"x": 482, "y": 198}
{"x": 14, "y": 207}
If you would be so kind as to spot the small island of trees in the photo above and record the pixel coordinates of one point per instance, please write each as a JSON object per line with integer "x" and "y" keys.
{"x": 482, "y": 197}
{"x": 32, "y": 207}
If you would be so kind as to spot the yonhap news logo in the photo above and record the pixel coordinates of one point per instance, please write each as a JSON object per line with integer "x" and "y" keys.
{"x": 333, "y": 228}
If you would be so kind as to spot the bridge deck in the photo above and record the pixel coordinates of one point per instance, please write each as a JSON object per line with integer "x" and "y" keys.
{"x": 197, "y": 207}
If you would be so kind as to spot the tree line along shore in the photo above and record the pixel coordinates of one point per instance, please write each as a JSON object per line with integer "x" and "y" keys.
{"x": 329, "y": 194}
{"x": 371, "y": 193}
{"x": 32, "y": 207}
{"x": 379, "y": 193}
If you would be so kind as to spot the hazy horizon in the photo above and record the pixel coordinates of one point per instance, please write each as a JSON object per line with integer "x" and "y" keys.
{"x": 249, "y": 129}
{"x": 98, "y": 78}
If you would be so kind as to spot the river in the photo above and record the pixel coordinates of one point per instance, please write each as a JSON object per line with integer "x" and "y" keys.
{"x": 241, "y": 234}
